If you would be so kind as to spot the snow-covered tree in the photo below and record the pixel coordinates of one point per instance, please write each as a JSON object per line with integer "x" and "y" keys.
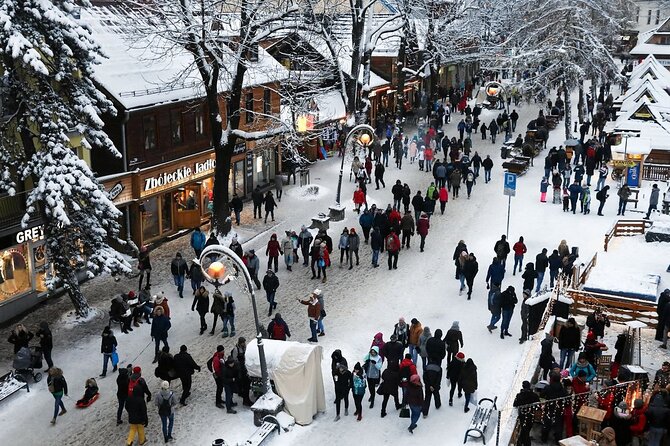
{"x": 224, "y": 39}
{"x": 49, "y": 99}
{"x": 558, "y": 44}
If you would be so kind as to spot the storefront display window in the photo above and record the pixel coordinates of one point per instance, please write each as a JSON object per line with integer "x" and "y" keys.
{"x": 265, "y": 166}
{"x": 150, "y": 223}
{"x": 14, "y": 271}
{"x": 207, "y": 195}
{"x": 166, "y": 213}
{"x": 39, "y": 266}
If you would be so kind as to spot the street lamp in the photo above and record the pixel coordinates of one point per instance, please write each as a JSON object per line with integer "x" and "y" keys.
{"x": 364, "y": 136}
{"x": 224, "y": 267}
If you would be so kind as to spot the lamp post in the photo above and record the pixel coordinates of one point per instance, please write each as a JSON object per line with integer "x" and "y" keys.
{"x": 365, "y": 136}
{"x": 216, "y": 274}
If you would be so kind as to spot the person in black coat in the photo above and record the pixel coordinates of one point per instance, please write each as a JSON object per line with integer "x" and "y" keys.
{"x": 379, "y": 174}
{"x": 107, "y": 347}
{"x": 376, "y": 244}
{"x": 201, "y": 303}
{"x": 468, "y": 381}
{"x": 185, "y": 366}
{"x": 454, "y": 374}
{"x": 436, "y": 349}
{"x": 529, "y": 276}
{"x": 457, "y": 253}
{"x": 270, "y": 205}
{"x": 508, "y": 300}
{"x": 569, "y": 341}
{"x": 658, "y": 418}
{"x": 526, "y": 417}
{"x": 663, "y": 301}
{"x": 470, "y": 269}
{"x": 336, "y": 359}
{"x": 393, "y": 352}
{"x": 122, "y": 381}
{"x": 230, "y": 377}
{"x": 20, "y": 337}
{"x": 553, "y": 417}
{"x": 343, "y": 382}
{"x": 546, "y": 355}
{"x": 257, "y": 198}
{"x": 137, "y": 415}
{"x": 417, "y": 204}
{"x": 236, "y": 206}
{"x": 597, "y": 322}
{"x": 432, "y": 377}
{"x": 46, "y": 343}
{"x": 389, "y": 388}
{"x": 453, "y": 341}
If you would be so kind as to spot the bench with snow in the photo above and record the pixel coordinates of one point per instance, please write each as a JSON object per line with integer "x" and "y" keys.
{"x": 321, "y": 221}
{"x": 11, "y": 383}
{"x": 481, "y": 418}
{"x": 269, "y": 425}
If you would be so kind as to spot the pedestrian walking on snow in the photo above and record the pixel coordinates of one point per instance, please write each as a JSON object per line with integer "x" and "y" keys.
{"x": 159, "y": 330}
{"x": 343, "y": 383}
{"x": 179, "y": 268}
{"x": 185, "y": 367}
{"x": 508, "y": 300}
{"x": 470, "y": 269}
{"x": 57, "y": 387}
{"x": 389, "y": 388}
{"x": 453, "y": 340}
{"x": 270, "y": 205}
{"x": 432, "y": 378}
{"x": 392, "y": 245}
{"x": 201, "y": 304}
{"x": 358, "y": 389}
{"x": 313, "y": 313}
{"x": 519, "y": 249}
{"x": 273, "y": 250}
{"x": 137, "y": 416}
{"x": 278, "y": 329}
{"x": 415, "y": 400}
{"x": 228, "y": 314}
{"x": 372, "y": 366}
{"x": 454, "y": 368}
{"x": 270, "y": 285}
{"x": 468, "y": 381}
{"x": 166, "y": 401}
{"x": 107, "y": 348}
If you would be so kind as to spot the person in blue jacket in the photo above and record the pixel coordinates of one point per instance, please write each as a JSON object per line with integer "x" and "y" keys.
{"x": 583, "y": 364}
{"x": 365, "y": 220}
{"x": 494, "y": 277}
{"x": 198, "y": 241}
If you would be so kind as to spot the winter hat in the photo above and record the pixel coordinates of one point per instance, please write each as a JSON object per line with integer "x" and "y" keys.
{"x": 182, "y": 349}
{"x": 565, "y": 373}
{"x": 303, "y": 227}
{"x": 131, "y": 294}
{"x": 460, "y": 356}
{"x": 454, "y": 325}
{"x": 414, "y": 321}
{"x": 137, "y": 369}
{"x": 525, "y": 385}
{"x": 317, "y": 292}
{"x": 394, "y": 337}
{"x": 415, "y": 379}
{"x": 219, "y": 348}
{"x": 165, "y": 385}
{"x": 590, "y": 336}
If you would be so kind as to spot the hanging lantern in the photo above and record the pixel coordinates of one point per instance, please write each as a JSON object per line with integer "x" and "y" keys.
{"x": 216, "y": 270}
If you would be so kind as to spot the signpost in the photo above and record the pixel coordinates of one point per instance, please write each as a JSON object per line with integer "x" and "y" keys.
{"x": 510, "y": 191}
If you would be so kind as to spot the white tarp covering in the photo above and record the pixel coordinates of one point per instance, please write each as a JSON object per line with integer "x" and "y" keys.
{"x": 295, "y": 369}
{"x": 331, "y": 106}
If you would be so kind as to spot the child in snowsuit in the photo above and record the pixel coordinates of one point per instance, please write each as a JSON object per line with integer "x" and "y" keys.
{"x": 89, "y": 393}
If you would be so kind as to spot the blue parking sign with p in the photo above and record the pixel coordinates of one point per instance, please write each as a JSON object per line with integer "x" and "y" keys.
{"x": 510, "y": 184}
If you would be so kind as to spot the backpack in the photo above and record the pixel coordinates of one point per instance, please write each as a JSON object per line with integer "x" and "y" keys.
{"x": 390, "y": 244}
{"x": 131, "y": 385}
{"x": 278, "y": 331}
{"x": 165, "y": 409}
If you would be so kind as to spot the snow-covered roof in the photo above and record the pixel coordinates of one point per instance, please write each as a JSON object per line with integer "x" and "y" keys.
{"x": 141, "y": 73}
{"x": 343, "y": 53}
{"x": 331, "y": 106}
{"x": 644, "y": 47}
{"x": 646, "y": 90}
{"x": 649, "y": 64}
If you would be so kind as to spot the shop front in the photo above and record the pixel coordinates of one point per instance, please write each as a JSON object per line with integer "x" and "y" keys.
{"x": 172, "y": 196}
{"x": 261, "y": 162}
{"x": 22, "y": 271}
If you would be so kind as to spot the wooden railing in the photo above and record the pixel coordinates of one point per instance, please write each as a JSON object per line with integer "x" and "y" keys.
{"x": 655, "y": 172}
{"x": 583, "y": 274}
{"x": 619, "y": 310}
{"x": 626, "y": 228}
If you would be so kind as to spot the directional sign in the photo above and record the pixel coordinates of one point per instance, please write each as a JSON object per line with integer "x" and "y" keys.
{"x": 510, "y": 184}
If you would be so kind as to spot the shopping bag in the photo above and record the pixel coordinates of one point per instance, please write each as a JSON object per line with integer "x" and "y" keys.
{"x": 115, "y": 358}
{"x": 404, "y": 412}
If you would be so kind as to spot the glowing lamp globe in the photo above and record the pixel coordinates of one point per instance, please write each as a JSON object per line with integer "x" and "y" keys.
{"x": 216, "y": 270}
{"x": 364, "y": 139}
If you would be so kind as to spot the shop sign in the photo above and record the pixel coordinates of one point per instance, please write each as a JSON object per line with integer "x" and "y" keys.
{"x": 622, "y": 163}
{"x": 250, "y": 171}
{"x": 179, "y": 175}
{"x": 115, "y": 191}
{"x": 30, "y": 235}
{"x": 240, "y": 148}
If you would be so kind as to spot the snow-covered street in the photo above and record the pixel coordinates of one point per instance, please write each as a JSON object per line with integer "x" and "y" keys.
{"x": 359, "y": 303}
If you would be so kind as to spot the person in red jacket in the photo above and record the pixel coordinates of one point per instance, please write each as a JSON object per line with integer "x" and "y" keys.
{"x": 392, "y": 245}
{"x": 394, "y": 219}
{"x": 422, "y": 227}
{"x": 368, "y": 168}
{"x": 359, "y": 199}
{"x": 406, "y": 370}
{"x": 272, "y": 251}
{"x": 215, "y": 365}
{"x": 519, "y": 250}
{"x": 639, "y": 418}
{"x": 444, "y": 197}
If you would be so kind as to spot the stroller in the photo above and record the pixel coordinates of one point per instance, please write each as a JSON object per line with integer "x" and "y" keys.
{"x": 26, "y": 361}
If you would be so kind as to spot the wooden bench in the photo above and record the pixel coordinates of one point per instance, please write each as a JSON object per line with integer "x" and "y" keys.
{"x": 270, "y": 424}
{"x": 10, "y": 383}
{"x": 480, "y": 419}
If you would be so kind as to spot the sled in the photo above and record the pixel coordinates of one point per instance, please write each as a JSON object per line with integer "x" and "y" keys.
{"x": 324, "y": 154}
{"x": 82, "y": 405}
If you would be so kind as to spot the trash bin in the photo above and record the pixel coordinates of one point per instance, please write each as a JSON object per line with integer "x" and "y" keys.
{"x": 304, "y": 177}
{"x": 504, "y": 151}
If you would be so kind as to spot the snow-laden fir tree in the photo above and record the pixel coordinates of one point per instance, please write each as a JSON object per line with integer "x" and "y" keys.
{"x": 49, "y": 99}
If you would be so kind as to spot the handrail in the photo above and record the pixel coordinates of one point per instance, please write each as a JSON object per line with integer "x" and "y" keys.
{"x": 626, "y": 227}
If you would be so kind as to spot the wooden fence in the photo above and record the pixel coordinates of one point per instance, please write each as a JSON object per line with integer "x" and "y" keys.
{"x": 617, "y": 309}
{"x": 626, "y": 228}
{"x": 655, "y": 172}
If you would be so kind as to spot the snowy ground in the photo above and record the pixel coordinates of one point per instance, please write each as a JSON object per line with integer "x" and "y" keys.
{"x": 359, "y": 303}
